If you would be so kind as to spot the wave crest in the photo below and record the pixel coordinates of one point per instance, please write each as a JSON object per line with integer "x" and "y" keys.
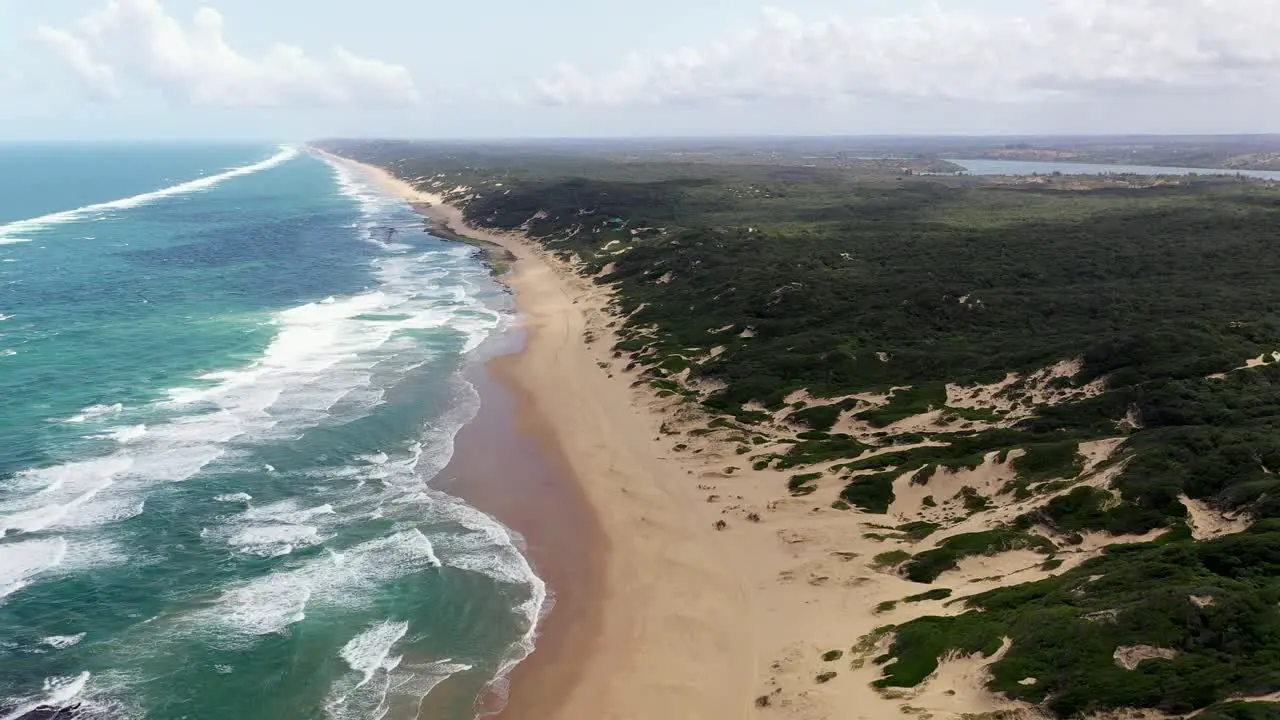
{"x": 9, "y": 233}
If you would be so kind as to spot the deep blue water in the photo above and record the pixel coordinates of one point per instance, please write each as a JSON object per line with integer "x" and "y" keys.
{"x": 223, "y": 395}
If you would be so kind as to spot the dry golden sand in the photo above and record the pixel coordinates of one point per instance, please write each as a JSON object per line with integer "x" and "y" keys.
{"x": 696, "y": 622}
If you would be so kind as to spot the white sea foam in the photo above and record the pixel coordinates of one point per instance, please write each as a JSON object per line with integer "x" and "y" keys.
{"x": 234, "y": 497}
{"x": 58, "y": 492}
{"x": 266, "y": 605}
{"x": 371, "y": 649}
{"x": 123, "y": 435}
{"x": 370, "y": 700}
{"x": 468, "y": 539}
{"x": 117, "y": 504}
{"x": 58, "y": 693}
{"x": 10, "y": 231}
{"x": 272, "y": 530}
{"x": 379, "y": 458}
{"x": 95, "y": 412}
{"x": 417, "y": 681}
{"x": 355, "y": 185}
{"x": 483, "y": 545}
{"x": 338, "y": 579}
{"x": 12, "y": 240}
{"x": 329, "y": 361}
{"x": 26, "y": 562}
{"x": 275, "y": 540}
{"x": 287, "y": 511}
{"x": 61, "y": 642}
{"x": 363, "y": 693}
{"x": 321, "y": 355}
{"x": 22, "y": 561}
{"x": 490, "y": 548}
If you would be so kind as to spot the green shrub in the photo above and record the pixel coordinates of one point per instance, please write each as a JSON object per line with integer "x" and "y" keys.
{"x": 906, "y": 403}
{"x": 928, "y": 565}
{"x": 820, "y": 417}
{"x": 977, "y": 414}
{"x": 924, "y": 475}
{"x": 811, "y": 452}
{"x": 918, "y": 645}
{"x": 918, "y": 530}
{"x": 800, "y": 484}
{"x": 1050, "y": 460}
{"x": 935, "y": 594}
{"x": 973, "y": 501}
{"x": 889, "y": 559}
{"x": 1224, "y": 649}
{"x": 871, "y": 493}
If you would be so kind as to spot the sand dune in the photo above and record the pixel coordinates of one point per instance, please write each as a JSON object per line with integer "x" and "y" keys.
{"x": 699, "y": 622}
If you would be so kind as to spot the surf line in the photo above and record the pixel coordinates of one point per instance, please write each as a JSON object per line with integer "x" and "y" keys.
{"x": 13, "y": 229}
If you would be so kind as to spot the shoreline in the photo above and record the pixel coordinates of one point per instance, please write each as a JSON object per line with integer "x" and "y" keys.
{"x": 499, "y": 257}
{"x": 673, "y": 637}
{"x": 716, "y": 593}
{"x": 560, "y": 535}
{"x": 481, "y": 474}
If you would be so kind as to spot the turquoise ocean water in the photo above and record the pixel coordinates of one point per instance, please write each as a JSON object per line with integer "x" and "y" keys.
{"x": 225, "y": 388}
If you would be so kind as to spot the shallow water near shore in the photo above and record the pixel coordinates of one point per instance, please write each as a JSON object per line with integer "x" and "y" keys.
{"x": 228, "y": 377}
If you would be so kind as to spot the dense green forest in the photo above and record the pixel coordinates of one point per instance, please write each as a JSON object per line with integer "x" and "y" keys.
{"x": 870, "y": 278}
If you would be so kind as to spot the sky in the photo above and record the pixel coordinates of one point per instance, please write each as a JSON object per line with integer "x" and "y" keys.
{"x": 303, "y": 69}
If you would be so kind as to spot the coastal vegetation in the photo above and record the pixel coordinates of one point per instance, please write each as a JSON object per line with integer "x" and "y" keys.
{"x": 1092, "y": 357}
{"x": 1211, "y": 604}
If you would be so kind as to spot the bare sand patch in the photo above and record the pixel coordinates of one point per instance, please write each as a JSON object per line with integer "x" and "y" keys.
{"x": 1017, "y": 396}
{"x": 1129, "y": 656}
{"x": 1207, "y": 523}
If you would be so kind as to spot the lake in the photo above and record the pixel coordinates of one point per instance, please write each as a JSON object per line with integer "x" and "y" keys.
{"x": 1026, "y": 167}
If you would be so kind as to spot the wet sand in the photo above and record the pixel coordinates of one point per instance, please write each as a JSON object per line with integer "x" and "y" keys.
{"x": 505, "y": 464}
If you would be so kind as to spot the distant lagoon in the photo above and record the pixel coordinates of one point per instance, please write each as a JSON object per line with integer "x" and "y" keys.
{"x": 1028, "y": 167}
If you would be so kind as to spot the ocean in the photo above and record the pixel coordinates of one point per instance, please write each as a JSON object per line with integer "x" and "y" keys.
{"x": 228, "y": 377}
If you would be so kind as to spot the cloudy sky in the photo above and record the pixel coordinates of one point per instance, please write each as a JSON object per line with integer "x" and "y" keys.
{"x": 297, "y": 69}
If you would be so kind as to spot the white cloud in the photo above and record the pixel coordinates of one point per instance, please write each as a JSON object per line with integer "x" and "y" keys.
{"x": 139, "y": 41}
{"x": 99, "y": 79}
{"x": 1071, "y": 48}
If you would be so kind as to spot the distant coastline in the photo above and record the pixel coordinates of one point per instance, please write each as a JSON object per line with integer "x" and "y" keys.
{"x": 1251, "y": 159}
{"x": 980, "y": 165}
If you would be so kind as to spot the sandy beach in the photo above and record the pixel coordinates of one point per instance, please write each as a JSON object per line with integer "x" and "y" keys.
{"x": 504, "y": 464}
{"x": 691, "y": 618}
